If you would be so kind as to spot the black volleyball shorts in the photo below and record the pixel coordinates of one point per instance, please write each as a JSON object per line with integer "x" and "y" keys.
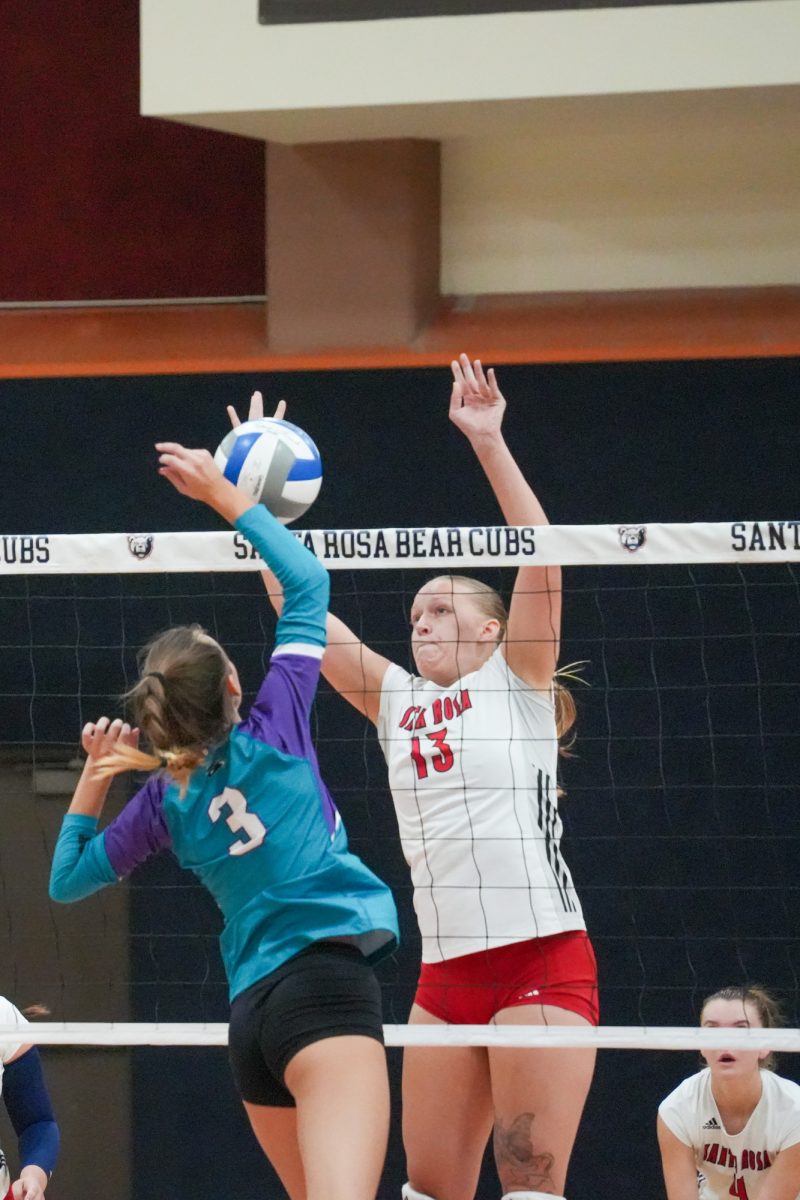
{"x": 328, "y": 990}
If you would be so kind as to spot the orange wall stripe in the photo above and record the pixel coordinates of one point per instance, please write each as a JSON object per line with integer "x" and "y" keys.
{"x": 613, "y": 327}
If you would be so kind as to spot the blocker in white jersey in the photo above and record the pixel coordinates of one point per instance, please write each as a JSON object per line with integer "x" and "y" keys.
{"x": 472, "y": 769}
{"x": 733, "y": 1129}
{"x": 733, "y": 1164}
{"x": 471, "y": 742}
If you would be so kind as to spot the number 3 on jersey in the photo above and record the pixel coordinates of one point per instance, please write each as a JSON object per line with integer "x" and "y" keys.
{"x": 441, "y": 759}
{"x": 239, "y": 820}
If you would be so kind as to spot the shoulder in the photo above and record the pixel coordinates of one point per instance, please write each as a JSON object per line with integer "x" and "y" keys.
{"x": 10, "y": 1014}
{"x": 782, "y": 1091}
{"x": 496, "y": 671}
{"x": 687, "y": 1093}
{"x": 398, "y": 681}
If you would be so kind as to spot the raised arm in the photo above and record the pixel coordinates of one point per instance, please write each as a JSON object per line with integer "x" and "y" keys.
{"x": 355, "y": 671}
{"x": 350, "y": 667}
{"x": 534, "y": 626}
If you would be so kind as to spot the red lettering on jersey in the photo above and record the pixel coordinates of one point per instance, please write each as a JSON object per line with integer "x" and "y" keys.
{"x": 436, "y": 712}
{"x": 449, "y": 709}
{"x": 723, "y": 1156}
{"x": 413, "y": 718}
{"x": 464, "y": 701}
{"x": 711, "y": 1152}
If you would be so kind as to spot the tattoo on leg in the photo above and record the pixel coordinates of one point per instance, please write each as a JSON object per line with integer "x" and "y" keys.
{"x": 520, "y": 1167}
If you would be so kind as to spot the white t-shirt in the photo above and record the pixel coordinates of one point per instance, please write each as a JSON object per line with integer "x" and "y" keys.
{"x": 472, "y": 769}
{"x": 724, "y": 1159}
{"x": 9, "y": 1015}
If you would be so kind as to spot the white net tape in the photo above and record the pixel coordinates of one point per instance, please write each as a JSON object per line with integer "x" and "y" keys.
{"x": 363, "y": 549}
{"x": 608, "y": 1037}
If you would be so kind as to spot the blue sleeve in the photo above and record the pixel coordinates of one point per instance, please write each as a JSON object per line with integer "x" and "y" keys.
{"x": 30, "y": 1111}
{"x": 80, "y": 862}
{"x": 305, "y": 582}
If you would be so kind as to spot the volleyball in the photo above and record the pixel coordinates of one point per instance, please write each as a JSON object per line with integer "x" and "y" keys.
{"x": 275, "y": 463}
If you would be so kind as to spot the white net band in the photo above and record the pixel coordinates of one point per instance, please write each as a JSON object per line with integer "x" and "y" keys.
{"x": 364, "y": 549}
{"x": 608, "y": 1037}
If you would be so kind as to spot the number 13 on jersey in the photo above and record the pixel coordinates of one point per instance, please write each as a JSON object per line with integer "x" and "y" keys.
{"x": 442, "y": 758}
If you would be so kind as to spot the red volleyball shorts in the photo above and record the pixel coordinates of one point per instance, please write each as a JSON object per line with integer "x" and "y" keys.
{"x": 560, "y": 970}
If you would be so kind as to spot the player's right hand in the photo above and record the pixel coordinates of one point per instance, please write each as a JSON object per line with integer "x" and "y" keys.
{"x": 99, "y": 738}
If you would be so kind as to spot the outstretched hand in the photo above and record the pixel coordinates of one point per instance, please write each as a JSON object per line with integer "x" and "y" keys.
{"x": 476, "y": 402}
{"x": 256, "y": 410}
{"x": 191, "y": 472}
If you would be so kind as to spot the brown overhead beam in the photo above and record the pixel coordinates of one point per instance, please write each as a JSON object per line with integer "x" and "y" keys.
{"x": 352, "y": 243}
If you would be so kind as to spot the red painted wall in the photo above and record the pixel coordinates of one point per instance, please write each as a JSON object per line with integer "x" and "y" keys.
{"x": 97, "y": 202}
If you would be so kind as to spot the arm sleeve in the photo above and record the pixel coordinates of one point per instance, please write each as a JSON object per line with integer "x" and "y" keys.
{"x": 672, "y": 1113}
{"x": 305, "y": 583}
{"x": 80, "y": 863}
{"x": 85, "y": 860}
{"x": 30, "y": 1111}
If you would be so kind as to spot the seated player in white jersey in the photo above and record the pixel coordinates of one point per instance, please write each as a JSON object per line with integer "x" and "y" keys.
{"x": 29, "y": 1109}
{"x": 241, "y": 803}
{"x": 471, "y": 744}
{"x": 733, "y": 1129}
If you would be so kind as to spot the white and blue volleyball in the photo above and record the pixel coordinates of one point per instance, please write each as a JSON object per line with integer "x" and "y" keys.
{"x": 275, "y": 463}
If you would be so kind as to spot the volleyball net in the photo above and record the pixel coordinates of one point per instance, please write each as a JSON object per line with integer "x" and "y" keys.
{"x": 681, "y": 791}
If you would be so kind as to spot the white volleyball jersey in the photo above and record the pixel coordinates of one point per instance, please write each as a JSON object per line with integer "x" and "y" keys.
{"x": 472, "y": 769}
{"x": 733, "y": 1164}
{"x": 9, "y": 1015}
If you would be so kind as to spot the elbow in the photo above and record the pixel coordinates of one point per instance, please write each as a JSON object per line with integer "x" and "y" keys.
{"x": 59, "y": 890}
{"x": 321, "y": 585}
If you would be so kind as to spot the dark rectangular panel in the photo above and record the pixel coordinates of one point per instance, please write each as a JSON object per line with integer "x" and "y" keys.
{"x": 286, "y": 12}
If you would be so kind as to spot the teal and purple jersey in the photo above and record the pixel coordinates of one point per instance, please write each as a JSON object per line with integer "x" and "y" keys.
{"x": 257, "y": 825}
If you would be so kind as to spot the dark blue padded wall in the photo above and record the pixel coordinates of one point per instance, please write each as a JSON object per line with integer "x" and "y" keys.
{"x": 683, "y": 858}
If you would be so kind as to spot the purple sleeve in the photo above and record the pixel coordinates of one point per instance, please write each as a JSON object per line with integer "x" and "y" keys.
{"x": 280, "y": 712}
{"x": 140, "y": 830}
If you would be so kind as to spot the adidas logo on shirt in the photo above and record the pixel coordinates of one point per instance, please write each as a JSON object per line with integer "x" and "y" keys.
{"x": 712, "y": 1124}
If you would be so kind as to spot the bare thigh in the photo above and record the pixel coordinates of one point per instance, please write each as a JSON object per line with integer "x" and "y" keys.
{"x": 341, "y": 1088}
{"x": 447, "y": 1114}
{"x": 276, "y": 1131}
{"x": 538, "y": 1098}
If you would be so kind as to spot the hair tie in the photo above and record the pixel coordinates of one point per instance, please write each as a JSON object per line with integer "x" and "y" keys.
{"x": 156, "y": 675}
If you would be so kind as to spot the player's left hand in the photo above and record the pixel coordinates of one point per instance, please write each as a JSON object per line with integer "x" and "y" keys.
{"x": 476, "y": 402}
{"x": 256, "y": 411}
